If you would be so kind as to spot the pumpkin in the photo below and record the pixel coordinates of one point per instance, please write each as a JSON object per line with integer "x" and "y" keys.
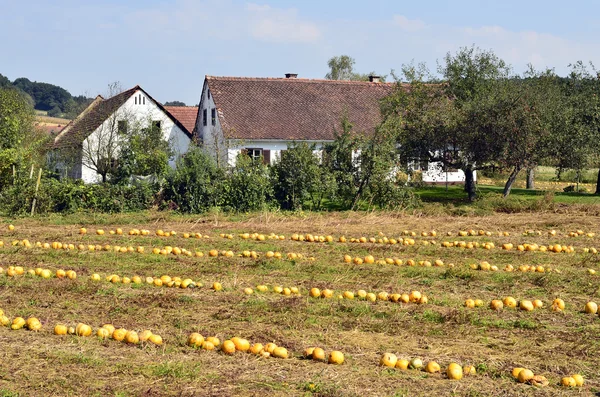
{"x": 433, "y": 367}
{"x": 103, "y": 333}
{"x": 280, "y": 352}
{"x": 525, "y": 375}
{"x": 416, "y": 363}
{"x": 119, "y": 334}
{"x": 568, "y": 381}
{"x": 256, "y": 348}
{"x": 591, "y": 307}
{"x": 155, "y": 339}
{"x": 402, "y": 364}
{"x": 195, "y": 339}
{"x": 388, "y": 360}
{"x": 336, "y": 357}
{"x": 241, "y": 344}
{"x": 83, "y": 330}
{"x": 578, "y": 379}
{"x": 60, "y": 329}
{"x": 206, "y": 345}
{"x": 526, "y": 305}
{"x": 454, "y": 371}
{"x": 132, "y": 337}
{"x": 228, "y": 347}
{"x": 214, "y": 340}
{"x": 318, "y": 354}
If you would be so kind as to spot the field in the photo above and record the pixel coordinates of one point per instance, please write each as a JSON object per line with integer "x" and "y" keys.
{"x": 548, "y": 342}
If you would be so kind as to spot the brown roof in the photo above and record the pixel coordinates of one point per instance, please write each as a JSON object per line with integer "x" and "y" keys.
{"x": 91, "y": 118}
{"x": 294, "y": 109}
{"x": 96, "y": 113}
{"x": 185, "y": 114}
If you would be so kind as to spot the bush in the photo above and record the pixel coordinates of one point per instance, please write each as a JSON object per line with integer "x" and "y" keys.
{"x": 196, "y": 184}
{"x": 67, "y": 196}
{"x": 298, "y": 178}
{"x": 248, "y": 186}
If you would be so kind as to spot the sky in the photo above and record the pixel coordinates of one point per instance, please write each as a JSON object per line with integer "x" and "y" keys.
{"x": 168, "y": 46}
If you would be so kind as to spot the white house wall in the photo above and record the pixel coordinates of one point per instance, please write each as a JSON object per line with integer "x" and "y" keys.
{"x": 274, "y": 146}
{"x": 139, "y": 115}
{"x": 210, "y": 135}
{"x": 435, "y": 175}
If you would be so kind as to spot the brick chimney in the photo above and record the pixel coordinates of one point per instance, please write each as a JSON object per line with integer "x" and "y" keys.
{"x": 291, "y": 75}
{"x": 374, "y": 79}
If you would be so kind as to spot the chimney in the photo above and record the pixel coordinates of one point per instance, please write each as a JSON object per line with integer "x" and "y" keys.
{"x": 374, "y": 79}
{"x": 291, "y": 75}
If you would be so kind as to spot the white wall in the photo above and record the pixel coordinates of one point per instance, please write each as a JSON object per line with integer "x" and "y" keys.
{"x": 435, "y": 174}
{"x": 274, "y": 146}
{"x": 212, "y": 137}
{"x": 138, "y": 116}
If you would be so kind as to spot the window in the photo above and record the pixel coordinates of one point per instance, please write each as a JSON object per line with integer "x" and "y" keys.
{"x": 135, "y": 99}
{"x": 213, "y": 116}
{"x": 144, "y": 99}
{"x": 156, "y": 124}
{"x": 258, "y": 153}
{"x": 204, "y": 117}
{"x": 254, "y": 154}
{"x": 208, "y": 91}
{"x": 122, "y": 127}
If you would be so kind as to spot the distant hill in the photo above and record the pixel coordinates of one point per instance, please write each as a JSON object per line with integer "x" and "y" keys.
{"x": 54, "y": 100}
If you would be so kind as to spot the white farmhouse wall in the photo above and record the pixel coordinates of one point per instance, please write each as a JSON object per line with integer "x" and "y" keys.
{"x": 274, "y": 146}
{"x": 211, "y": 136}
{"x": 139, "y": 110}
{"x": 435, "y": 175}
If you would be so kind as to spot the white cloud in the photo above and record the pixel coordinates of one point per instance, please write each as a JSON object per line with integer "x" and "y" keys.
{"x": 280, "y": 25}
{"x": 409, "y": 25}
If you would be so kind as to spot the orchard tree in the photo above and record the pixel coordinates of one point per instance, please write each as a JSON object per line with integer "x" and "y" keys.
{"x": 21, "y": 145}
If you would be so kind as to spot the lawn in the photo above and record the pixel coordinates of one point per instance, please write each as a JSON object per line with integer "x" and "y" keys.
{"x": 550, "y": 343}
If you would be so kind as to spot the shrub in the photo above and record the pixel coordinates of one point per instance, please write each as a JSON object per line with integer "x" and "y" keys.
{"x": 67, "y": 196}
{"x": 248, "y": 186}
{"x": 298, "y": 178}
{"x": 196, "y": 184}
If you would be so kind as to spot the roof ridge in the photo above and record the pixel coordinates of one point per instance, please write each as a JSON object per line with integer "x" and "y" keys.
{"x": 299, "y": 80}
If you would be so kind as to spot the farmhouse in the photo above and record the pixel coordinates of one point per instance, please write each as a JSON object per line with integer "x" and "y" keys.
{"x": 263, "y": 116}
{"x": 92, "y": 139}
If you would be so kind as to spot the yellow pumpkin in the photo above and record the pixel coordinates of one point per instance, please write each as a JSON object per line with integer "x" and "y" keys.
{"x": 388, "y": 360}
{"x": 454, "y": 371}
{"x": 336, "y": 357}
{"x": 228, "y": 347}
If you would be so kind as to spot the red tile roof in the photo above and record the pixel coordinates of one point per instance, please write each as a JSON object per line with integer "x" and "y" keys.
{"x": 186, "y": 115}
{"x": 294, "y": 109}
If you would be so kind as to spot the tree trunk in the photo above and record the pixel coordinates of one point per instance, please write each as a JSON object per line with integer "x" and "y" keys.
{"x": 103, "y": 178}
{"x": 598, "y": 183}
{"x": 531, "y": 178}
{"x": 511, "y": 179}
{"x": 470, "y": 184}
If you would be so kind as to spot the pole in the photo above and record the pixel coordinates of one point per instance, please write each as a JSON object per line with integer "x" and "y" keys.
{"x": 37, "y": 187}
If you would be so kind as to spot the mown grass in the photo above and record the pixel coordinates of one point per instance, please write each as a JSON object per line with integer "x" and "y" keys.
{"x": 552, "y": 344}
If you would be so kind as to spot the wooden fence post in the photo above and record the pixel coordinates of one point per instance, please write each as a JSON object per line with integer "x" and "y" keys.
{"x": 37, "y": 187}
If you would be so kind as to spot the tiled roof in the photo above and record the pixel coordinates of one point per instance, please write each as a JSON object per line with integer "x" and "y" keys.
{"x": 294, "y": 109}
{"x": 186, "y": 115}
{"x": 96, "y": 113}
{"x": 91, "y": 118}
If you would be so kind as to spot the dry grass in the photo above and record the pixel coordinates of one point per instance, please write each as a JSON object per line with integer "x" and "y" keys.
{"x": 549, "y": 343}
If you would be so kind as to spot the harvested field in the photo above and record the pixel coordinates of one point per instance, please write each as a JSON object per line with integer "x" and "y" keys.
{"x": 551, "y": 343}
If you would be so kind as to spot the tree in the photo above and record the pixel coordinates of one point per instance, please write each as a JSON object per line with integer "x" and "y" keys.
{"x": 196, "y": 183}
{"x": 459, "y": 122}
{"x": 248, "y": 185}
{"x": 46, "y": 96}
{"x": 175, "y": 103}
{"x": 4, "y": 81}
{"x": 20, "y": 144}
{"x": 298, "y": 178}
{"x": 576, "y": 140}
{"x": 342, "y": 68}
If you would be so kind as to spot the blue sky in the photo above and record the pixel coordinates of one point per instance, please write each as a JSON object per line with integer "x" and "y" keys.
{"x": 168, "y": 46}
